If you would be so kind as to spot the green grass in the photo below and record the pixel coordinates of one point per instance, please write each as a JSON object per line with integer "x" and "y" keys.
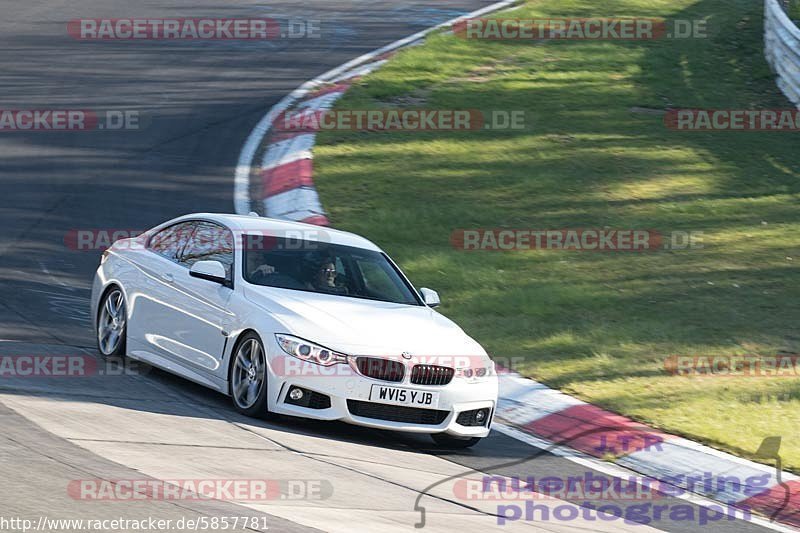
{"x": 794, "y": 11}
{"x": 792, "y": 8}
{"x": 598, "y": 324}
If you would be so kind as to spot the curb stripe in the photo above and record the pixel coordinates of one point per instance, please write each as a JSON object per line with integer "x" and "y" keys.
{"x": 521, "y": 401}
{"x": 278, "y": 137}
{"x": 327, "y": 89}
{"x": 299, "y": 216}
{"x": 524, "y": 403}
{"x": 360, "y": 71}
{"x": 616, "y": 434}
{"x": 611, "y": 469}
{"x": 288, "y": 150}
{"x": 774, "y": 499}
{"x": 286, "y": 177}
{"x": 290, "y": 157}
{"x": 294, "y": 204}
{"x": 324, "y": 101}
{"x": 385, "y": 56}
{"x": 303, "y": 122}
{"x": 678, "y": 463}
{"x": 317, "y": 220}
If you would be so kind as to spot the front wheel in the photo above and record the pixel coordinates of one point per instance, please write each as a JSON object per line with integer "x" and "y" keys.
{"x": 454, "y": 443}
{"x": 248, "y": 377}
{"x": 111, "y": 322}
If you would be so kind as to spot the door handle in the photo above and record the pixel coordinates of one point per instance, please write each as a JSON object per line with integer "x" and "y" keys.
{"x": 167, "y": 277}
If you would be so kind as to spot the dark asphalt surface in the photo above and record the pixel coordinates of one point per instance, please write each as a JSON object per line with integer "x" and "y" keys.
{"x": 198, "y": 102}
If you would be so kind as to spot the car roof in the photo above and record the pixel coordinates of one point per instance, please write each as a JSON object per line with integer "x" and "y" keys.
{"x": 255, "y": 224}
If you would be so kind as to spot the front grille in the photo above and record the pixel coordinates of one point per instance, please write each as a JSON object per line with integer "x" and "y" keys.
{"x": 383, "y": 369}
{"x": 431, "y": 375}
{"x": 396, "y": 413}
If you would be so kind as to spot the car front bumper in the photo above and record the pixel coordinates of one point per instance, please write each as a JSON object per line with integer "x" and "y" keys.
{"x": 343, "y": 386}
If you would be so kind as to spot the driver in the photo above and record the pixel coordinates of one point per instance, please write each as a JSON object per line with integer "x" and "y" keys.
{"x": 324, "y": 279}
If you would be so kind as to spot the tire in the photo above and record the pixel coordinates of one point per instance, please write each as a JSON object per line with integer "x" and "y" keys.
{"x": 112, "y": 323}
{"x": 444, "y": 440}
{"x": 248, "y": 377}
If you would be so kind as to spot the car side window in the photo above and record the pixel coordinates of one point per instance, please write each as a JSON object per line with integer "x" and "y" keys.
{"x": 169, "y": 242}
{"x": 209, "y": 242}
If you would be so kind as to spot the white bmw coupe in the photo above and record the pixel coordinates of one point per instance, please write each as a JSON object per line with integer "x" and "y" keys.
{"x": 293, "y": 319}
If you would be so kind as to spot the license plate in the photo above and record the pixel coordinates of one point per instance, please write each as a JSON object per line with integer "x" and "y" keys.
{"x": 409, "y": 397}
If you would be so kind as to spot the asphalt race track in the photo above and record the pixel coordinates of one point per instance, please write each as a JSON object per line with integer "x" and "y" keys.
{"x": 197, "y": 102}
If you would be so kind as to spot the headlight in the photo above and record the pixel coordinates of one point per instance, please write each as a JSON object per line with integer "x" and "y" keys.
{"x": 476, "y": 374}
{"x": 308, "y": 351}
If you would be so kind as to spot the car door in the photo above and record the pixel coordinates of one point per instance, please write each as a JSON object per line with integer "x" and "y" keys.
{"x": 152, "y": 304}
{"x": 198, "y": 332}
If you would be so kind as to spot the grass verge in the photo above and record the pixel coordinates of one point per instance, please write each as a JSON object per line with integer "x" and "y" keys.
{"x": 595, "y": 153}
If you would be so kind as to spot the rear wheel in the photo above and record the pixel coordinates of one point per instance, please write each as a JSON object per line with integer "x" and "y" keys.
{"x": 111, "y": 324}
{"x": 248, "y": 377}
{"x": 455, "y": 443}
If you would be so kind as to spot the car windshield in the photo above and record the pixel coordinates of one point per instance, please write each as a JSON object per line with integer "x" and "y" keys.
{"x": 324, "y": 268}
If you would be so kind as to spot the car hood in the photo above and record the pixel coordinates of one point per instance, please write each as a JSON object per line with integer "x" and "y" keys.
{"x": 364, "y": 327}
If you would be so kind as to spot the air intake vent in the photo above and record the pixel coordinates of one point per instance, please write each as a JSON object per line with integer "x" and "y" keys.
{"x": 431, "y": 375}
{"x": 383, "y": 369}
{"x": 397, "y": 413}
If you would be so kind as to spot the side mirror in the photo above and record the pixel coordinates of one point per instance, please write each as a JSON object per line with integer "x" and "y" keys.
{"x": 209, "y": 270}
{"x": 430, "y": 297}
